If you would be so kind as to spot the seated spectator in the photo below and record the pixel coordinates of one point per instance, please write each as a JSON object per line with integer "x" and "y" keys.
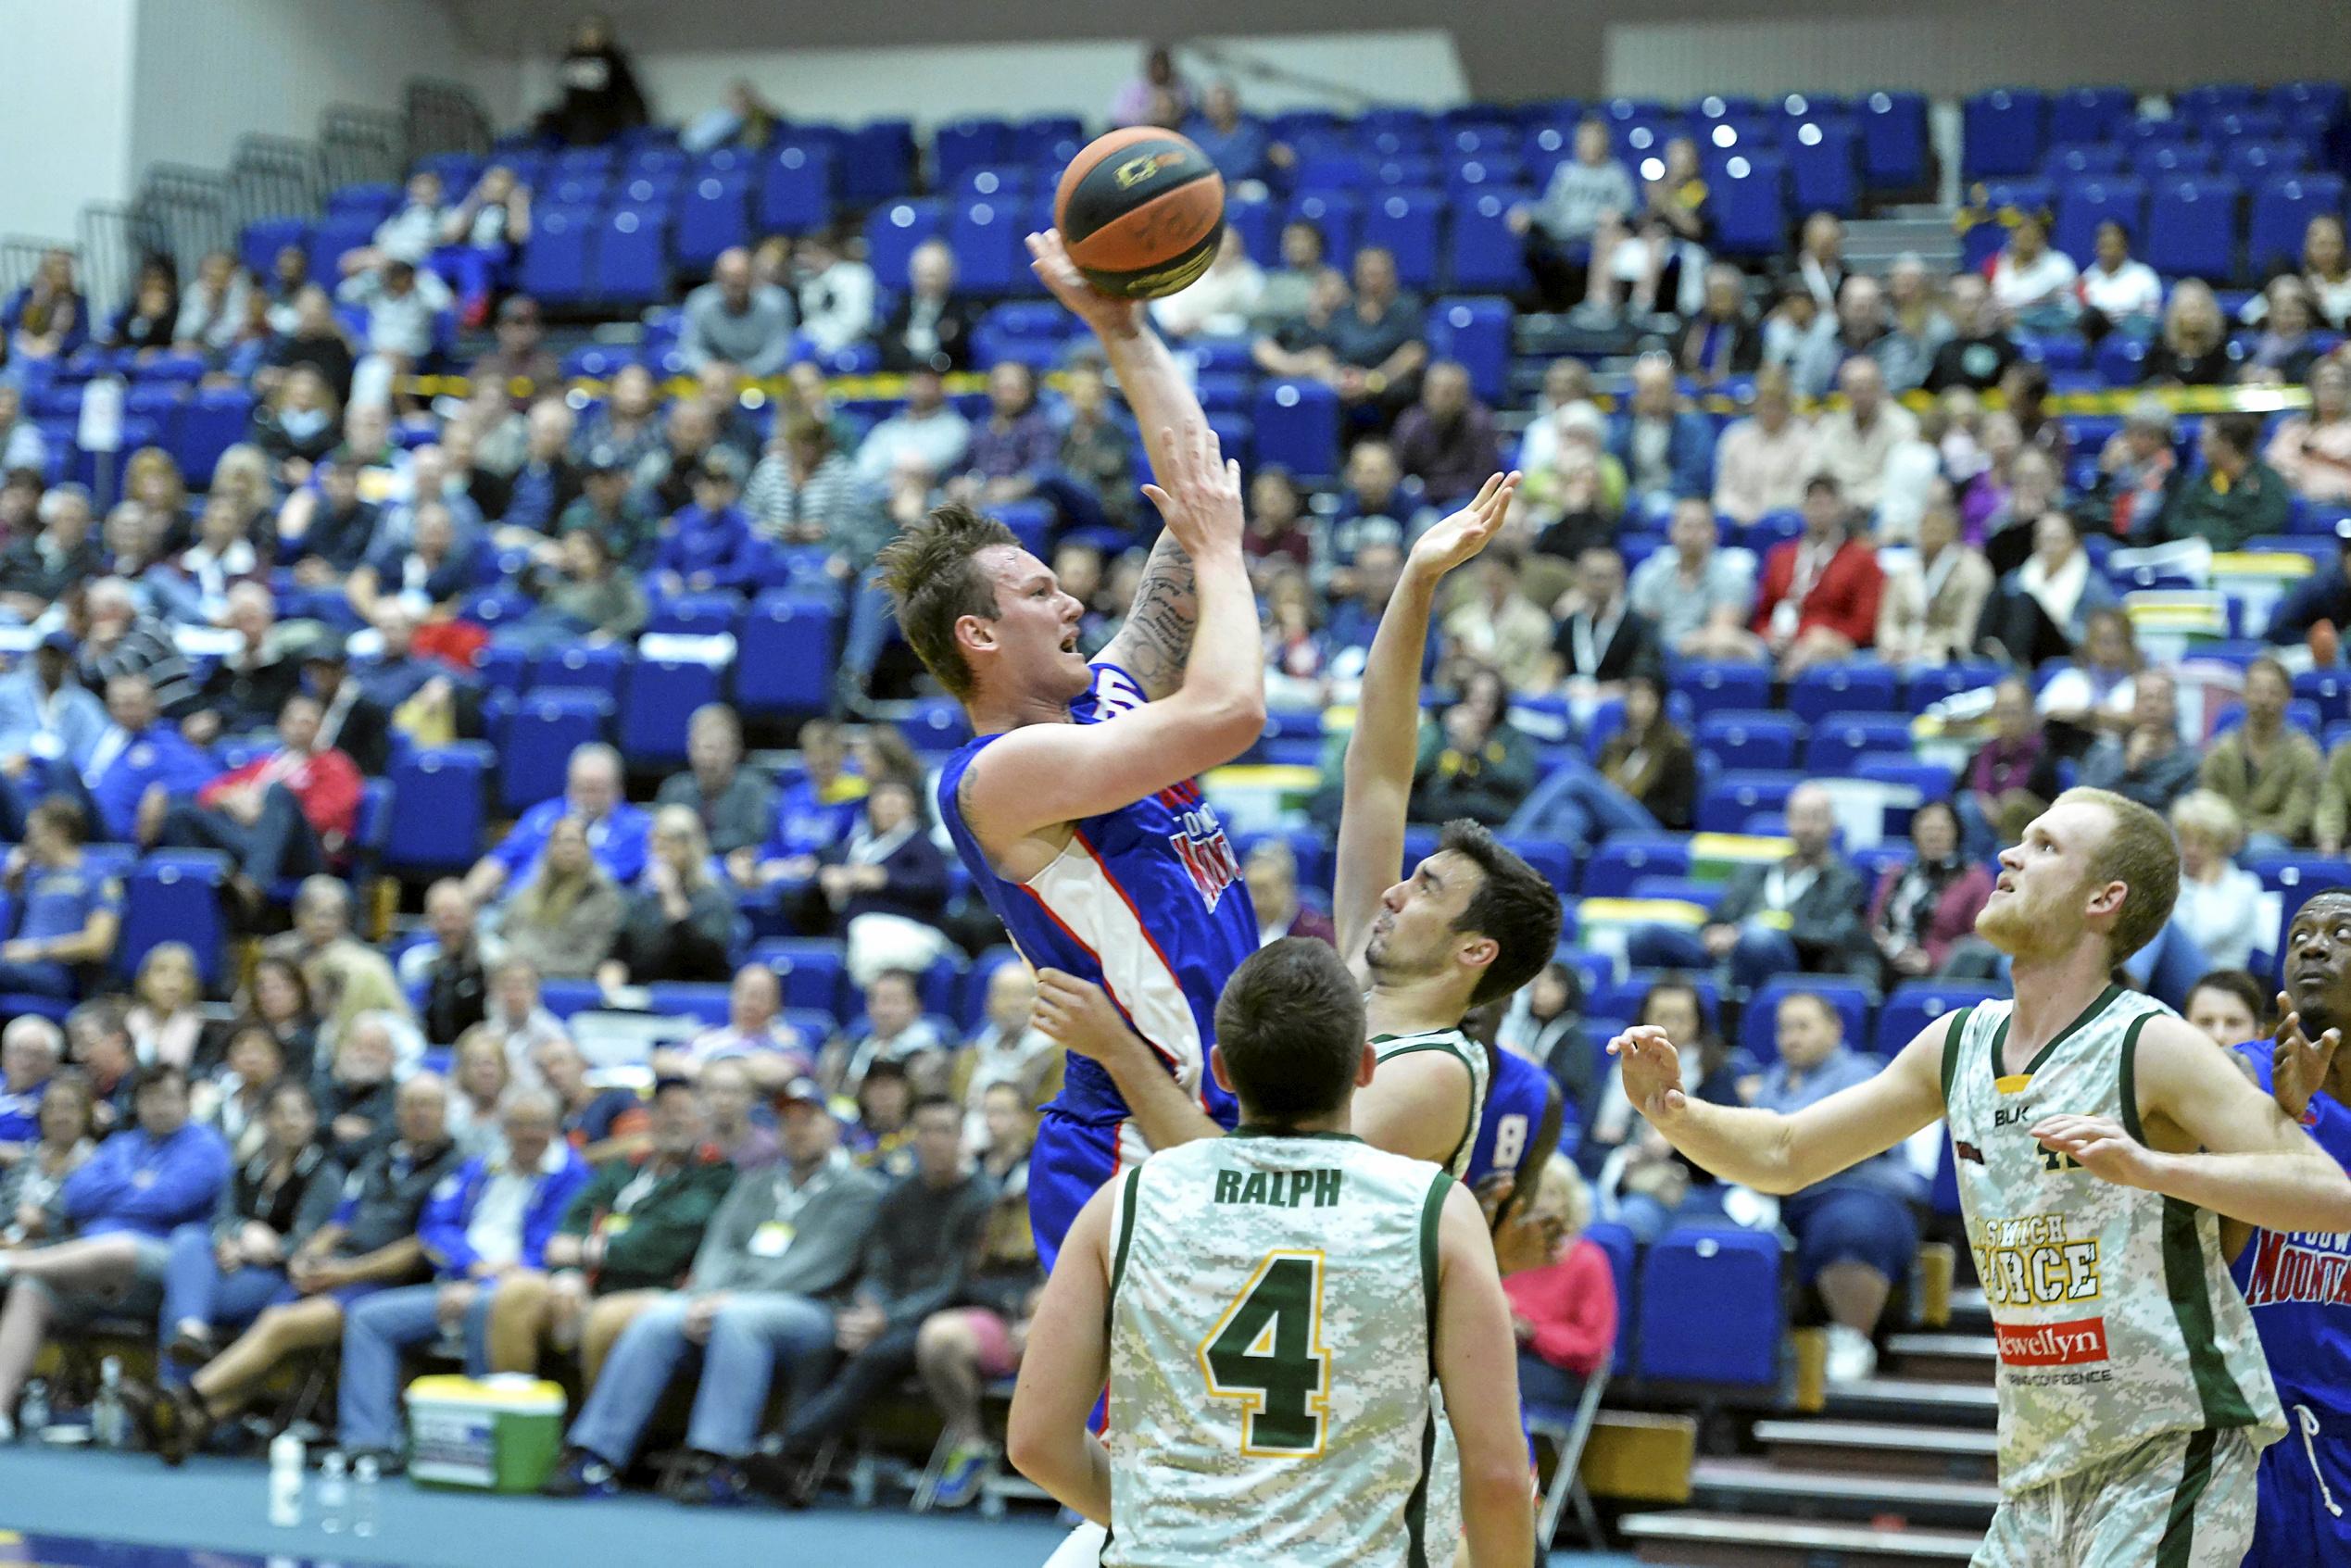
{"x": 886, "y": 882}
{"x": 813, "y": 811}
{"x": 928, "y": 432}
{"x": 959, "y": 1347}
{"x": 746, "y": 119}
{"x": 2289, "y": 343}
{"x": 546, "y": 483}
{"x": 409, "y": 233}
{"x": 735, "y": 805}
{"x": 2148, "y": 763}
{"x": 1270, "y": 872}
{"x": 1818, "y": 602}
{"x": 836, "y": 290}
{"x": 737, "y": 319}
{"x": 447, "y": 970}
{"x": 480, "y": 1084}
{"x": 287, "y": 814}
{"x": 1853, "y": 446}
{"x": 754, "y": 1033}
{"x": 600, "y": 1123}
{"x": 224, "y": 1273}
{"x": 2114, "y": 293}
{"x": 1667, "y": 451}
{"x": 1495, "y": 623}
{"x": 98, "y": 1047}
{"x": 278, "y": 999}
{"x": 1376, "y": 347}
{"x": 2012, "y": 776}
{"x": 479, "y": 233}
{"x": 1860, "y": 328}
{"x": 315, "y": 337}
{"x": 256, "y": 678}
{"x": 1855, "y": 1233}
{"x": 678, "y": 921}
{"x": 2312, "y": 451}
{"x": 1647, "y": 1181}
{"x": 47, "y": 318}
{"x": 31, "y": 1049}
{"x": 356, "y": 1095}
{"x": 349, "y": 720}
{"x": 706, "y": 546}
{"x": 62, "y": 1140}
{"x": 2045, "y": 604}
{"x": 1922, "y": 911}
{"x": 1293, "y": 343}
{"x": 2233, "y": 498}
{"x": 2326, "y": 267}
{"x": 563, "y": 917}
{"x": 1473, "y": 762}
{"x": 1447, "y": 440}
{"x": 1221, "y": 302}
{"x": 721, "y": 391}
{"x": 2031, "y": 283}
{"x": 1804, "y": 914}
{"x": 428, "y": 574}
{"x": 781, "y": 1250}
{"x": 1377, "y": 505}
{"x": 1696, "y": 595}
{"x": 1563, "y": 1312}
{"x": 1649, "y": 760}
{"x": 616, "y": 830}
{"x": 143, "y": 325}
{"x": 120, "y": 640}
{"x": 347, "y": 977}
{"x": 2228, "y": 1006}
{"x": 139, "y": 767}
{"x": 2219, "y": 907}
{"x": 403, "y": 308}
{"x": 1584, "y": 192}
{"x": 69, "y": 915}
{"x": 1980, "y": 350}
{"x": 2193, "y": 350}
{"x": 2267, "y": 770}
{"x": 894, "y": 1029}
{"x": 635, "y": 1227}
{"x": 231, "y": 1095}
{"x": 1722, "y": 339}
{"x": 1012, "y": 448}
{"x": 23, "y": 449}
{"x": 123, "y": 1204}
{"x": 1762, "y": 462}
{"x": 337, "y": 532}
{"x": 2096, "y": 691}
{"x": 806, "y": 493}
{"x": 521, "y": 362}
{"x": 881, "y": 1135}
{"x": 298, "y": 425}
{"x": 931, "y": 326}
{"x": 1601, "y": 638}
{"x": 34, "y": 572}
{"x": 1543, "y": 1023}
{"x": 1788, "y": 325}
{"x": 1934, "y": 600}
{"x": 46, "y": 715}
{"x": 1660, "y": 252}
{"x": 1290, "y": 286}
{"x": 166, "y": 1017}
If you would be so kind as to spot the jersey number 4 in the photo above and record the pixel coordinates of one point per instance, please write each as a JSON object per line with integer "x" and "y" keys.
{"x": 1266, "y": 1351}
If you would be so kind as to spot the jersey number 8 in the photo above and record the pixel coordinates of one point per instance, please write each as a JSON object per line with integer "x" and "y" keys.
{"x": 1266, "y": 1351}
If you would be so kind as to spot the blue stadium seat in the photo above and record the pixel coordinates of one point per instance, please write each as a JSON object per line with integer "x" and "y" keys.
{"x": 539, "y": 735}
{"x": 259, "y": 244}
{"x": 2330, "y": 689}
{"x": 713, "y": 216}
{"x": 893, "y": 230}
{"x": 1477, "y": 332}
{"x": 174, "y": 896}
{"x": 2160, "y": 160}
{"x": 2254, "y": 162}
{"x": 1931, "y": 780}
{"x": 877, "y": 162}
{"x": 1744, "y": 740}
{"x": 2283, "y": 208}
{"x": 1854, "y": 687}
{"x": 795, "y": 190}
{"x": 1617, "y": 1243}
{"x": 2003, "y": 133}
{"x": 1338, "y": 216}
{"x": 1481, "y": 254}
{"x": 1680, "y": 889}
{"x": 705, "y": 1004}
{"x": 1546, "y": 855}
{"x": 2088, "y": 114}
{"x": 1751, "y": 206}
{"x": 337, "y": 233}
{"x": 582, "y": 666}
{"x": 1253, "y": 218}
{"x": 658, "y": 698}
{"x": 968, "y": 143}
{"x": 1839, "y": 740}
{"x": 1894, "y": 140}
{"x": 555, "y": 260}
{"x": 1916, "y": 1003}
{"x": 1406, "y": 223}
{"x": 1622, "y": 858}
{"x": 812, "y": 969}
{"x": 2191, "y": 227}
{"x": 696, "y": 615}
{"x": 2299, "y": 875}
{"x": 1929, "y": 684}
{"x": 789, "y": 645}
{"x": 2085, "y": 204}
{"x": 1047, "y": 141}
{"x": 1297, "y": 426}
{"x": 1713, "y": 687}
{"x": 1724, "y": 805}
{"x": 2080, "y": 160}
{"x": 1824, "y": 162}
{"x": 990, "y": 257}
{"x": 1711, "y": 1309}
{"x": 437, "y": 809}
{"x": 1759, "y": 1025}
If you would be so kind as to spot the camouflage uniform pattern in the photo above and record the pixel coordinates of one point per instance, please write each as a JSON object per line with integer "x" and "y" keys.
{"x": 2129, "y": 1510}
{"x": 1470, "y": 1054}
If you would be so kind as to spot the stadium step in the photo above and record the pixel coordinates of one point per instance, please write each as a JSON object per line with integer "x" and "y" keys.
{"x": 1702, "y": 1539}
{"x": 1872, "y": 245}
{"x": 1950, "y": 1358}
{"x": 1926, "y": 1402}
{"x": 1761, "y": 1486}
{"x": 1882, "y": 1448}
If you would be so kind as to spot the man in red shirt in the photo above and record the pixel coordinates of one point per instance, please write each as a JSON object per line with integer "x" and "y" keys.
{"x": 279, "y": 816}
{"x": 1821, "y": 590}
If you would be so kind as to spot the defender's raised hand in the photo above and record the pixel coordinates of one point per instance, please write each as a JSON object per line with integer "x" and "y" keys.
{"x": 2298, "y": 1064}
{"x": 1455, "y": 539}
{"x": 1651, "y": 1069}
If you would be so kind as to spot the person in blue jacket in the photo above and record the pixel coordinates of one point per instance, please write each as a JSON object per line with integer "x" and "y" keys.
{"x": 706, "y": 547}
{"x": 488, "y": 1223}
{"x": 617, "y": 831}
{"x": 138, "y": 756}
{"x": 144, "y": 1181}
{"x": 1667, "y": 449}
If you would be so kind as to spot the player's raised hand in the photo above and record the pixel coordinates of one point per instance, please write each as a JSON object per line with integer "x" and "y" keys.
{"x": 1049, "y": 261}
{"x": 1652, "y": 1070}
{"x": 1077, "y": 1015}
{"x": 2100, "y": 1146}
{"x": 2298, "y": 1064}
{"x": 1202, "y": 498}
{"x": 1453, "y": 540}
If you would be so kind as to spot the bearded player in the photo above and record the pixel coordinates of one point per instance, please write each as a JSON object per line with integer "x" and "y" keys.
{"x": 2098, "y": 1139}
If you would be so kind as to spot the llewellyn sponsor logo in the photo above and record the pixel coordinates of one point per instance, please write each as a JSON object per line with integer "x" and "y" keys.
{"x": 2054, "y": 1344}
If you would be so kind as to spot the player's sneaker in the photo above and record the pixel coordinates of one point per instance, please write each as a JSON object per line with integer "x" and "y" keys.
{"x": 959, "y": 1481}
{"x": 579, "y": 1473}
{"x": 1852, "y": 1358}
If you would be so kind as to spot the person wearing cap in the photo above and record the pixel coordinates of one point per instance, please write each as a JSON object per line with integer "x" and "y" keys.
{"x": 281, "y": 815}
{"x": 707, "y": 545}
{"x": 46, "y": 714}
{"x": 70, "y": 913}
{"x": 761, "y": 1298}
{"x": 735, "y": 317}
{"x": 606, "y": 508}
{"x": 349, "y": 719}
{"x": 521, "y": 362}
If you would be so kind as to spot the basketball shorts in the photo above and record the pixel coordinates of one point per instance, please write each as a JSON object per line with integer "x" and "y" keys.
{"x": 2304, "y": 1487}
{"x": 2185, "y": 1499}
{"x": 1071, "y": 1160}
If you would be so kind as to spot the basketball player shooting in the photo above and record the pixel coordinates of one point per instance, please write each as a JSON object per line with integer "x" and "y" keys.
{"x": 2097, "y": 1138}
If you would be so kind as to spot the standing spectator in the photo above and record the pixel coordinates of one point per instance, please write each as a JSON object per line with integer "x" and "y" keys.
{"x": 928, "y": 432}
{"x": 564, "y": 917}
{"x": 1667, "y": 451}
{"x": 2235, "y": 497}
{"x": 1980, "y": 350}
{"x": 1473, "y": 762}
{"x": 1447, "y": 440}
{"x": 1602, "y": 640}
{"x": 447, "y": 970}
{"x": 1722, "y": 339}
{"x": 836, "y": 290}
{"x": 2012, "y": 776}
{"x": 1221, "y": 302}
{"x": 2148, "y": 763}
{"x": 1697, "y": 596}
{"x": 282, "y": 815}
{"x": 929, "y": 328}
{"x": 2220, "y": 904}
{"x": 1922, "y": 911}
{"x": 1818, "y": 602}
{"x": 778, "y": 1252}
{"x": 736, "y": 805}
{"x": 2194, "y": 347}
{"x": 678, "y": 923}
{"x": 1648, "y": 759}
{"x": 1564, "y": 1313}
{"x": 1855, "y": 1234}
{"x": 736, "y": 319}
{"x": 600, "y": 95}
{"x": 521, "y": 362}
{"x": 1855, "y": 445}
{"x": 1934, "y": 600}
{"x": 2032, "y": 284}
{"x": 1584, "y": 191}
{"x": 2117, "y": 294}
{"x": 2266, "y": 770}
{"x": 2312, "y": 451}
{"x": 1804, "y": 914}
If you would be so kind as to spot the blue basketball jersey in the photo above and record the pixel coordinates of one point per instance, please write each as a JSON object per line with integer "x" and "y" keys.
{"x": 1147, "y": 902}
{"x": 1516, "y": 1102}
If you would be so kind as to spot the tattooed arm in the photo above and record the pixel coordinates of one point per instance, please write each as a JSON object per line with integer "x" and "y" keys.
{"x": 1156, "y": 642}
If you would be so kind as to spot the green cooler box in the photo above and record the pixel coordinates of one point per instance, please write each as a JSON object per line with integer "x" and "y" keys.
{"x": 488, "y": 1434}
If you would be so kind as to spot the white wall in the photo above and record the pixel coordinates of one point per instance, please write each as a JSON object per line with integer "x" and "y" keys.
{"x": 65, "y": 122}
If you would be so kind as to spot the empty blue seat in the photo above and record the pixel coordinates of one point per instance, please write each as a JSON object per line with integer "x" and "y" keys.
{"x": 628, "y": 263}
{"x": 1894, "y": 140}
{"x": 968, "y": 143}
{"x": 1751, "y": 204}
{"x": 259, "y": 244}
{"x": 2157, "y": 159}
{"x": 1297, "y": 426}
{"x": 1338, "y": 216}
{"x": 537, "y": 740}
{"x": 699, "y": 615}
{"x": 1711, "y": 686}
{"x": 1405, "y": 223}
{"x": 1711, "y": 1309}
{"x": 2192, "y": 226}
{"x": 2283, "y": 208}
{"x": 216, "y": 418}
{"x": 1759, "y": 1025}
{"x": 706, "y": 1004}
{"x": 790, "y": 648}
{"x": 2076, "y": 160}
{"x": 1481, "y": 254}
{"x": 1929, "y": 685}
{"x": 713, "y": 216}
{"x": 990, "y": 254}
{"x": 1724, "y": 805}
{"x": 1477, "y": 332}
{"x": 1844, "y": 688}
{"x": 1680, "y": 889}
{"x": 2003, "y": 133}
{"x": 1621, "y": 859}
{"x": 2299, "y": 875}
{"x": 335, "y": 234}
{"x": 893, "y": 230}
{"x": 1824, "y": 165}
{"x": 2085, "y": 204}
{"x": 1841, "y": 740}
{"x": 2088, "y": 114}
{"x": 437, "y": 809}
{"x": 877, "y": 162}
{"x": 1917, "y": 1003}
{"x": 658, "y": 698}
{"x": 2330, "y": 689}
{"x": 1896, "y": 766}
{"x": 1744, "y": 740}
{"x": 174, "y": 896}
{"x": 795, "y": 190}
{"x": 1047, "y": 141}
{"x": 812, "y": 971}
{"x": 555, "y": 260}
{"x": 582, "y": 667}
{"x": 2253, "y": 162}
{"x": 1548, "y": 856}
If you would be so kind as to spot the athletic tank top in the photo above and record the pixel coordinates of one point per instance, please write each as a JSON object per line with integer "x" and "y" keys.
{"x": 2116, "y": 1317}
{"x": 1462, "y": 1048}
{"x": 2298, "y": 1282}
{"x": 1517, "y": 1100}
{"x": 1273, "y": 1319}
{"x": 1147, "y": 902}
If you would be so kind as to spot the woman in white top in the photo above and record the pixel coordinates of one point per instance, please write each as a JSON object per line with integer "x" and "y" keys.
{"x": 2097, "y": 690}
{"x": 1221, "y": 301}
{"x": 2031, "y": 283}
{"x": 2219, "y": 903}
{"x": 169, "y": 1018}
{"x": 2312, "y": 451}
{"x": 2117, "y": 294}
{"x": 479, "y": 1081}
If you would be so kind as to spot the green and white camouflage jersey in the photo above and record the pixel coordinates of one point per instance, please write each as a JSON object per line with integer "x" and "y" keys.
{"x": 2116, "y": 1317}
{"x": 1273, "y": 1318}
{"x": 1470, "y": 1054}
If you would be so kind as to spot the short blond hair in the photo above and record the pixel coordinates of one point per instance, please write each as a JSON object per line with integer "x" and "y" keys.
{"x": 2139, "y": 853}
{"x": 1560, "y": 1175}
{"x": 2210, "y": 818}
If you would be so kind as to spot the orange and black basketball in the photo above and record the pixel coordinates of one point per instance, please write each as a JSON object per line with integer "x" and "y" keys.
{"x": 1140, "y": 211}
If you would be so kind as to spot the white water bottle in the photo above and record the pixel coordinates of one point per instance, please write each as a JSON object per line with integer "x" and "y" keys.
{"x": 109, "y": 1421}
{"x": 285, "y": 1481}
{"x": 335, "y": 1493}
{"x": 364, "y": 1475}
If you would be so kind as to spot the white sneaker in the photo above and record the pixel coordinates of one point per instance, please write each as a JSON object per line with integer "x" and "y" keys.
{"x": 1852, "y": 1358}
{"x": 8, "y": 1427}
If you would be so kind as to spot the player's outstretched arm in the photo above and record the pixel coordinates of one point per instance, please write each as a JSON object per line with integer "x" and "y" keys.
{"x": 1046, "y": 1438}
{"x": 1041, "y": 775}
{"x": 1156, "y": 641}
{"x": 1478, "y": 1367}
{"x": 1077, "y": 1015}
{"x": 1773, "y": 1153}
{"x": 2234, "y": 1151}
{"x": 1387, "y": 735}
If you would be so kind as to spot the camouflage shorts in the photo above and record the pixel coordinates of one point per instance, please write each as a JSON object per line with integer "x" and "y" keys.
{"x": 2185, "y": 1499}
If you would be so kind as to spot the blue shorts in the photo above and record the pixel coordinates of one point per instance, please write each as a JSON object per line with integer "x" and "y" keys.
{"x": 1071, "y": 1161}
{"x": 2304, "y": 1514}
